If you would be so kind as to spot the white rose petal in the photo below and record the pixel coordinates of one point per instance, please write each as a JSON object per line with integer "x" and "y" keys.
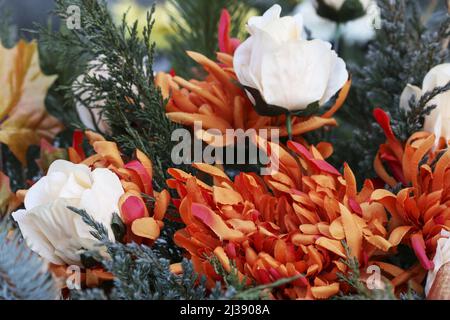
{"x": 442, "y": 257}
{"x": 50, "y": 228}
{"x": 91, "y": 116}
{"x": 438, "y": 121}
{"x": 288, "y": 71}
{"x": 335, "y": 4}
{"x": 359, "y": 30}
{"x": 409, "y": 92}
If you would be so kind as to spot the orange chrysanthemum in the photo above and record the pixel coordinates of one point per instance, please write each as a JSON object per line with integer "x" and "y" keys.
{"x": 394, "y": 160}
{"x": 423, "y": 206}
{"x": 143, "y": 224}
{"x": 220, "y": 103}
{"x": 288, "y": 223}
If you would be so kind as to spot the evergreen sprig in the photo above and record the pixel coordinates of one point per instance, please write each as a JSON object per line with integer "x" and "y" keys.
{"x": 244, "y": 290}
{"x": 412, "y": 120}
{"x": 195, "y": 29}
{"x": 143, "y": 273}
{"x": 360, "y": 291}
{"x": 8, "y": 32}
{"x": 23, "y": 275}
{"x": 133, "y": 106}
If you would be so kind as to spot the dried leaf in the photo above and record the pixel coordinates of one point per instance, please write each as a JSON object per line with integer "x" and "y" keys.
{"x": 23, "y": 118}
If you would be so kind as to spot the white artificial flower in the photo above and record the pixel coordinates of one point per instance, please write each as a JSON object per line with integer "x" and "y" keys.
{"x": 337, "y": 4}
{"x": 441, "y": 257}
{"x": 438, "y": 121}
{"x": 54, "y": 231}
{"x": 288, "y": 71}
{"x": 360, "y": 30}
{"x": 91, "y": 116}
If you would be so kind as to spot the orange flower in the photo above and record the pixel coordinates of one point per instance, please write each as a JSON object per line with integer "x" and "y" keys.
{"x": 136, "y": 175}
{"x": 288, "y": 223}
{"x": 220, "y": 103}
{"x": 394, "y": 161}
{"x": 424, "y": 206}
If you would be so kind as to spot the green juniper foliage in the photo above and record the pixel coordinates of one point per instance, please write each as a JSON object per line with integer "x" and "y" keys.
{"x": 22, "y": 273}
{"x": 142, "y": 273}
{"x": 196, "y": 30}
{"x": 8, "y": 32}
{"x": 360, "y": 290}
{"x": 133, "y": 106}
{"x": 405, "y": 49}
{"x": 353, "y": 279}
{"x": 244, "y": 291}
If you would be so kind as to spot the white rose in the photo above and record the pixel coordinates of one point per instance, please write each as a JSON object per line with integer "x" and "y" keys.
{"x": 50, "y": 228}
{"x": 438, "y": 121}
{"x": 442, "y": 257}
{"x": 342, "y": 11}
{"x": 92, "y": 116}
{"x": 288, "y": 71}
{"x": 337, "y": 4}
{"x": 360, "y": 30}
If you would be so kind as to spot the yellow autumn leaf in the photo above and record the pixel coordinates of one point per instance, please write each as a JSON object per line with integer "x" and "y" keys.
{"x": 23, "y": 118}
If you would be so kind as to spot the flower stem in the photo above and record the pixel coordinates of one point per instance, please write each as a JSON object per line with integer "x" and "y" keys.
{"x": 337, "y": 38}
{"x": 289, "y": 125}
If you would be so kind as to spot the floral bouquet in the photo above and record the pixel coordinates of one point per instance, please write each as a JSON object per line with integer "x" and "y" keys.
{"x": 227, "y": 150}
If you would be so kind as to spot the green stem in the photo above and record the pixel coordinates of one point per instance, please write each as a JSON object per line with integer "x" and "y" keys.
{"x": 289, "y": 125}
{"x": 337, "y": 38}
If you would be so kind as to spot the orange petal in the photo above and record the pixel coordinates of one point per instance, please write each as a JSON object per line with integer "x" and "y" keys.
{"x": 226, "y": 196}
{"x": 350, "y": 180}
{"x": 110, "y": 152}
{"x": 200, "y": 91}
{"x": 382, "y": 173}
{"x": 211, "y": 170}
{"x": 353, "y": 233}
{"x": 142, "y": 175}
{"x": 337, "y": 229}
{"x": 215, "y": 222}
{"x": 208, "y": 121}
{"x": 223, "y": 258}
{"x": 325, "y": 292}
{"x": 93, "y": 137}
{"x": 398, "y": 234}
{"x": 340, "y": 100}
{"x": 132, "y": 207}
{"x": 246, "y": 226}
{"x": 423, "y": 149}
{"x": 161, "y": 205}
{"x": 439, "y": 172}
{"x": 176, "y": 268}
{"x": 379, "y": 242}
{"x": 311, "y": 124}
{"x": 146, "y": 228}
{"x": 334, "y": 246}
{"x": 325, "y": 149}
{"x": 146, "y": 162}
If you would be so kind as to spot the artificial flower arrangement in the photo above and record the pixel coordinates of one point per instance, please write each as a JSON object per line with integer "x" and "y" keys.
{"x": 306, "y": 230}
